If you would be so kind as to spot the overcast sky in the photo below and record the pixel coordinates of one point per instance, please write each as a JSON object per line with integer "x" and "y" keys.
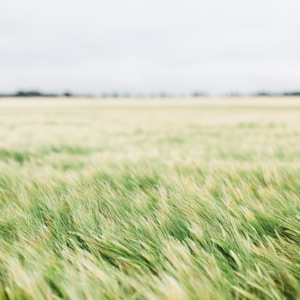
{"x": 150, "y": 46}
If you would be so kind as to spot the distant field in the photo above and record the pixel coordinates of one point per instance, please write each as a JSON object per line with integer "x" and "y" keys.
{"x": 150, "y": 199}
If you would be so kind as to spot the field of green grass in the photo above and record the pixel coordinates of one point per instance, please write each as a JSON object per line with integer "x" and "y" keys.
{"x": 150, "y": 199}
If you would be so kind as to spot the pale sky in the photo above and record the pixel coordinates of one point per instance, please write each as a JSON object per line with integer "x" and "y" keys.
{"x": 150, "y": 46}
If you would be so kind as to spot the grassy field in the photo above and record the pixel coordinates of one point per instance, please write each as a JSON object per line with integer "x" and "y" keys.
{"x": 150, "y": 199}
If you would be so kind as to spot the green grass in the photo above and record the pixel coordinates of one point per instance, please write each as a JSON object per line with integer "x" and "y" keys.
{"x": 150, "y": 200}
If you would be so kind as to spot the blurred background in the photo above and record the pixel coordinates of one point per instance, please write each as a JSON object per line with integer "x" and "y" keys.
{"x": 157, "y": 47}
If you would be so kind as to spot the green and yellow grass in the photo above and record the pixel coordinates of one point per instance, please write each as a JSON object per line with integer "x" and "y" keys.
{"x": 150, "y": 199}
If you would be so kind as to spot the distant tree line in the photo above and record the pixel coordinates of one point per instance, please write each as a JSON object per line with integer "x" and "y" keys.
{"x": 290, "y": 93}
{"x": 33, "y": 93}
{"x": 195, "y": 94}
